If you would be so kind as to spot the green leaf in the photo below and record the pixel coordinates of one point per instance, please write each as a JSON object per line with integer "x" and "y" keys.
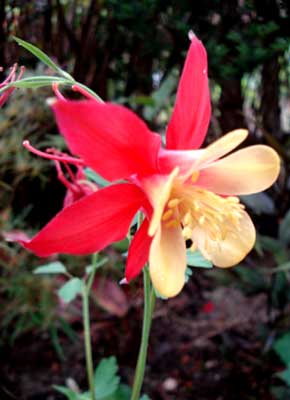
{"x": 284, "y": 229}
{"x": 70, "y": 290}
{"x": 282, "y": 348}
{"x": 90, "y": 91}
{"x": 251, "y": 278}
{"x": 55, "y": 267}
{"x": 260, "y": 203}
{"x": 285, "y": 375}
{"x": 99, "y": 264}
{"x": 35, "y": 82}
{"x": 196, "y": 259}
{"x": 70, "y": 394}
{"x": 56, "y": 343}
{"x": 188, "y": 274}
{"x": 93, "y": 176}
{"x": 280, "y": 392}
{"x": 43, "y": 57}
{"x": 145, "y": 397}
{"x": 105, "y": 378}
{"x": 282, "y": 267}
{"x": 122, "y": 393}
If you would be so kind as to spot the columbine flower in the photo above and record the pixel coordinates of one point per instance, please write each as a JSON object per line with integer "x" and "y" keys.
{"x": 10, "y": 79}
{"x": 184, "y": 192}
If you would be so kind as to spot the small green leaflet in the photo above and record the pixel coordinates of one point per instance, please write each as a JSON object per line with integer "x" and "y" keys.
{"x": 282, "y": 348}
{"x": 196, "y": 259}
{"x": 44, "y": 58}
{"x": 70, "y": 290}
{"x": 55, "y": 267}
{"x": 106, "y": 379}
{"x": 285, "y": 375}
{"x": 70, "y": 394}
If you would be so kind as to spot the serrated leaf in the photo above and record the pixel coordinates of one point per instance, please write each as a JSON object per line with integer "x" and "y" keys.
{"x": 55, "y": 267}
{"x": 70, "y": 290}
{"x": 282, "y": 348}
{"x": 105, "y": 378}
{"x": 196, "y": 259}
{"x": 43, "y": 57}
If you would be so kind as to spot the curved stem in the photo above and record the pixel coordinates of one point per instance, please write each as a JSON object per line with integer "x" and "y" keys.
{"x": 149, "y": 302}
{"x": 88, "y": 346}
{"x": 86, "y": 322}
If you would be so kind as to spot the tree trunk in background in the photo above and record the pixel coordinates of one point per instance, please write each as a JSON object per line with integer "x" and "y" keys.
{"x": 231, "y": 105}
{"x": 2, "y": 36}
{"x": 47, "y": 29}
{"x": 270, "y": 109}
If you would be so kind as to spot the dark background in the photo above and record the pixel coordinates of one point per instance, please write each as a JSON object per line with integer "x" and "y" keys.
{"x": 217, "y": 339}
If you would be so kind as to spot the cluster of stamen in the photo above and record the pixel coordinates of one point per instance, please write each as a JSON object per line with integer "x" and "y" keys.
{"x": 194, "y": 207}
{"x": 6, "y": 87}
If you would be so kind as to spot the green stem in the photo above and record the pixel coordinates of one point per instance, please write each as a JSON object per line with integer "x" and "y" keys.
{"x": 93, "y": 272}
{"x": 149, "y": 302}
{"x": 87, "y": 339}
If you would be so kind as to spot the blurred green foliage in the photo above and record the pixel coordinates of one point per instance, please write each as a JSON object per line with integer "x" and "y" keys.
{"x": 131, "y": 52}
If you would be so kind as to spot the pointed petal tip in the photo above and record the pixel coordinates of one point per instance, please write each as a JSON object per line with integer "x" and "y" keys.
{"x": 51, "y": 101}
{"x": 191, "y": 35}
{"x": 123, "y": 281}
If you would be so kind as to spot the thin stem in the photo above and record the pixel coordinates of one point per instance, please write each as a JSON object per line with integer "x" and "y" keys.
{"x": 93, "y": 272}
{"x": 149, "y": 302}
{"x": 87, "y": 339}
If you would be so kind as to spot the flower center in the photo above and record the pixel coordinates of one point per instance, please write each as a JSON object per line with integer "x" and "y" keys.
{"x": 193, "y": 207}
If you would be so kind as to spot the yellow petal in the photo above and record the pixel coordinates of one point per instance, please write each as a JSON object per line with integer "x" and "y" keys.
{"x": 233, "y": 249}
{"x": 216, "y": 150}
{"x": 167, "y": 261}
{"x": 246, "y": 171}
{"x": 223, "y": 145}
{"x": 158, "y": 188}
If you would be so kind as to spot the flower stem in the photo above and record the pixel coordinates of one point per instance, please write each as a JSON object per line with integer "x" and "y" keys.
{"x": 149, "y": 302}
{"x": 86, "y": 322}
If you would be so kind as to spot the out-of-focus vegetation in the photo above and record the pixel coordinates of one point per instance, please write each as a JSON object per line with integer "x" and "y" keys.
{"x": 131, "y": 52}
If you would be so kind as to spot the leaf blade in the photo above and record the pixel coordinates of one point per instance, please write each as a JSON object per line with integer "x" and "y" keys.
{"x": 42, "y": 57}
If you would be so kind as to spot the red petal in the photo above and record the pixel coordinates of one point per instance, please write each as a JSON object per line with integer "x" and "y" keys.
{"x": 189, "y": 122}
{"x": 110, "y": 138}
{"x": 89, "y": 224}
{"x": 138, "y": 252}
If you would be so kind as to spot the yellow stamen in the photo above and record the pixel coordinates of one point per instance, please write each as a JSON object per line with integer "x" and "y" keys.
{"x": 172, "y": 224}
{"x": 194, "y": 176}
{"x": 173, "y": 203}
{"x": 187, "y": 218}
{"x": 187, "y": 232}
{"x": 168, "y": 214}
